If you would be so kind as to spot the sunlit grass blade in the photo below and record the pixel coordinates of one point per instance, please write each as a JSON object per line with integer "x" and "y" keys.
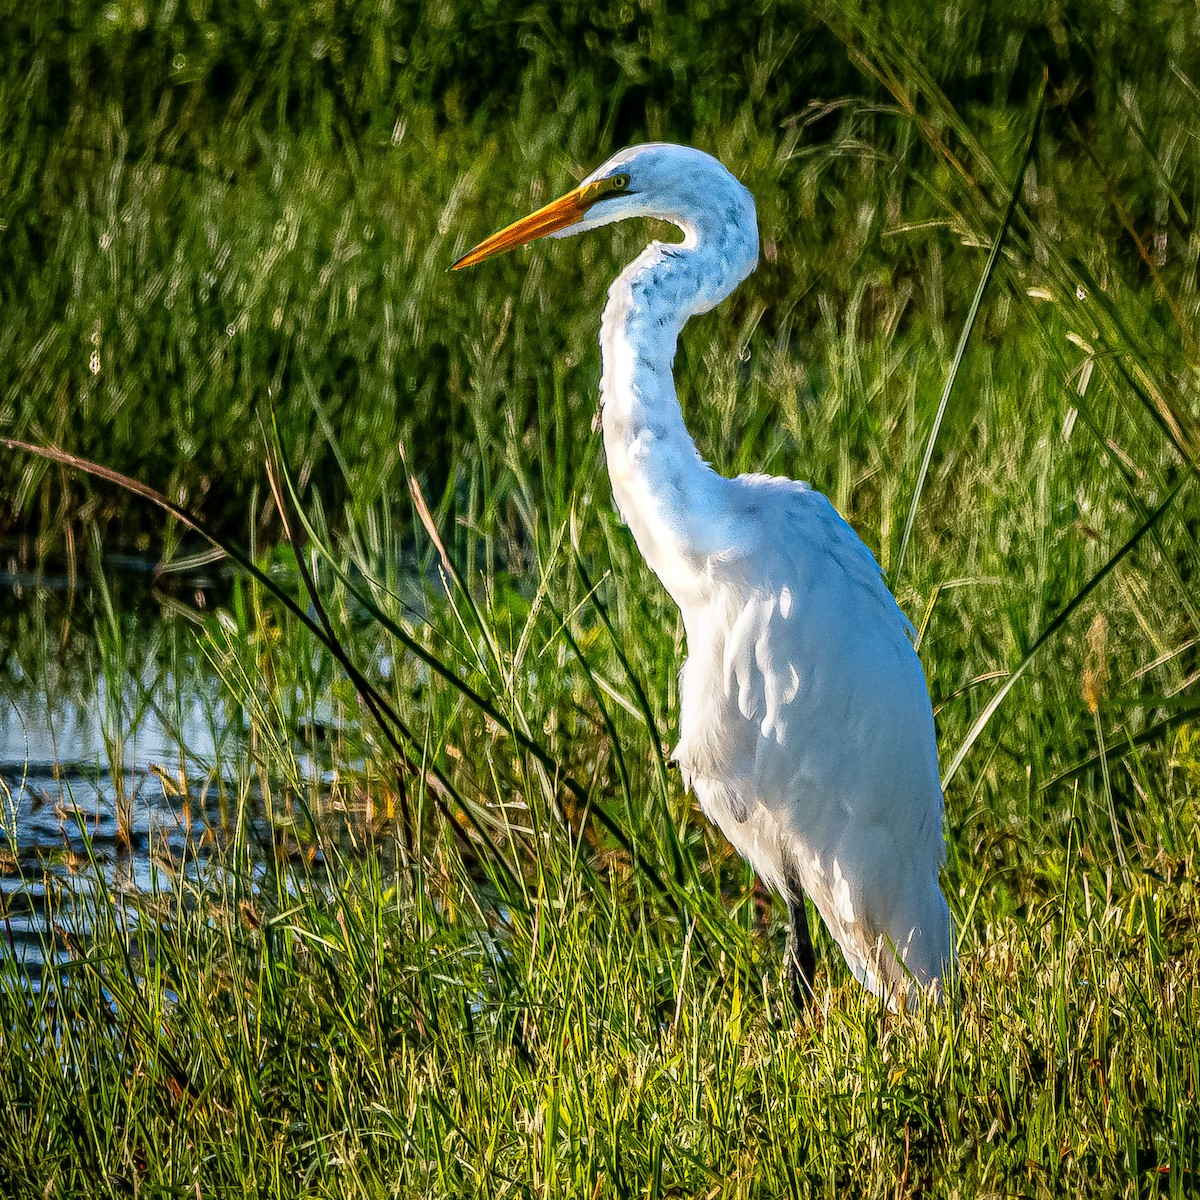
{"x": 1179, "y": 427}
{"x": 448, "y": 565}
{"x": 1119, "y": 471}
{"x": 631, "y": 676}
{"x": 680, "y": 860}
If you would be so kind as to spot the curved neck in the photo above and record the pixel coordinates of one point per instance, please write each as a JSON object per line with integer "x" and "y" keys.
{"x": 673, "y": 502}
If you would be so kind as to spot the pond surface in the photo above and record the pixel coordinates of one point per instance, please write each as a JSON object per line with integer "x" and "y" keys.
{"x": 106, "y": 768}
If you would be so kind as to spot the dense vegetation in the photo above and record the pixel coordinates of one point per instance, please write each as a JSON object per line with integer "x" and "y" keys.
{"x": 517, "y": 962}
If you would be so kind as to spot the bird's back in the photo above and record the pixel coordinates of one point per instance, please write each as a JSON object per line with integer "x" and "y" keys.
{"x": 806, "y": 729}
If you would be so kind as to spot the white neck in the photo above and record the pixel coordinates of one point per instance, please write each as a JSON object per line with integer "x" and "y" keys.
{"x": 676, "y": 506}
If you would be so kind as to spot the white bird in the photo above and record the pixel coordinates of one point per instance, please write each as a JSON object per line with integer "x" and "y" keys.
{"x": 805, "y": 728}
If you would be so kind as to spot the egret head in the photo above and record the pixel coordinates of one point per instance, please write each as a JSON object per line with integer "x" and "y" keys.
{"x": 675, "y": 183}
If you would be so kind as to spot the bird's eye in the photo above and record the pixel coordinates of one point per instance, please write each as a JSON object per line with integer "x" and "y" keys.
{"x": 619, "y": 182}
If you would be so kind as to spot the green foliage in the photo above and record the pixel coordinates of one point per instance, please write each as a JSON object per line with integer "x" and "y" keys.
{"x": 522, "y": 965}
{"x": 207, "y": 210}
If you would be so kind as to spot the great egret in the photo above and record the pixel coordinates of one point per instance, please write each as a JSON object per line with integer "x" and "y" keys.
{"x": 805, "y": 725}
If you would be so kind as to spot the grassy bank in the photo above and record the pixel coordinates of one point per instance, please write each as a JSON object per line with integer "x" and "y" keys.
{"x": 520, "y": 964}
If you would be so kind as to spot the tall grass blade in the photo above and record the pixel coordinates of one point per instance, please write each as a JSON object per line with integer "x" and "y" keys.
{"x": 341, "y": 654}
{"x": 444, "y": 672}
{"x": 968, "y": 328}
{"x": 395, "y": 730}
{"x": 527, "y": 743}
{"x": 1185, "y": 709}
{"x": 1059, "y": 620}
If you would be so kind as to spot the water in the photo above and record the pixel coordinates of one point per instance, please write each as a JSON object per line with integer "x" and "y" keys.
{"x": 68, "y": 814}
{"x": 106, "y": 767}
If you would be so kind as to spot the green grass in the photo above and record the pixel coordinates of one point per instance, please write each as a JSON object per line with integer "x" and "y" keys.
{"x": 523, "y": 965}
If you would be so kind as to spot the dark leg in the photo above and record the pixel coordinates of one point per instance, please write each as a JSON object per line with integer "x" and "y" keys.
{"x": 799, "y": 957}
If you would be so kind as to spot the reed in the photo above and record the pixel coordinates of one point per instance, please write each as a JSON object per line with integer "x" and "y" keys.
{"x": 454, "y": 927}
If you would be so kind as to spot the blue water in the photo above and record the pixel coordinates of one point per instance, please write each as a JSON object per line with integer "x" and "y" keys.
{"x": 94, "y": 781}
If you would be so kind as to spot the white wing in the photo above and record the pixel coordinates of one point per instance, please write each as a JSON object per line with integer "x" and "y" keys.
{"x": 806, "y": 729}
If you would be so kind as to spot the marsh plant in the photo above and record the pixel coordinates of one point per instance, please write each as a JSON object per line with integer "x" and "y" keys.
{"x": 458, "y": 930}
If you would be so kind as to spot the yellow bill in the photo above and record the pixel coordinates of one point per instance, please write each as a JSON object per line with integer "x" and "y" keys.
{"x": 550, "y": 218}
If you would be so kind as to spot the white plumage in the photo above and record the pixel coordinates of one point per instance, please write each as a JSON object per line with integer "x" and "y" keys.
{"x": 805, "y": 727}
